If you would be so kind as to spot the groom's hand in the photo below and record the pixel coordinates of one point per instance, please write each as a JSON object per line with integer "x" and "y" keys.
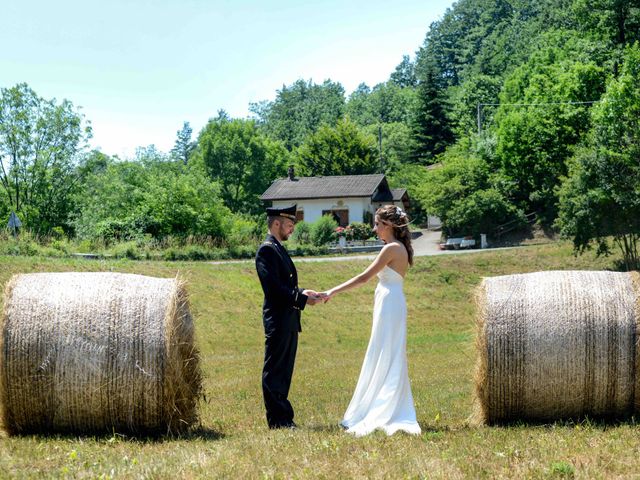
{"x": 312, "y": 297}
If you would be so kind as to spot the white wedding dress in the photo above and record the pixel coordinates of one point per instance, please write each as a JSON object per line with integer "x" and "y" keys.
{"x": 382, "y": 399}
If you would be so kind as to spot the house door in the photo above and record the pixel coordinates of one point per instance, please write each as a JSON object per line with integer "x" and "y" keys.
{"x": 339, "y": 215}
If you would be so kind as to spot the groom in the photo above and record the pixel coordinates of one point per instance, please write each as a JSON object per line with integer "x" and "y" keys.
{"x": 283, "y": 302}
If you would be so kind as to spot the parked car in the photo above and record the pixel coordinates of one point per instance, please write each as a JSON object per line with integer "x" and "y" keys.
{"x": 456, "y": 243}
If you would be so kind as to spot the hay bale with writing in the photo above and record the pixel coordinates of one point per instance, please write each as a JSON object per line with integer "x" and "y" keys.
{"x": 97, "y": 352}
{"x": 559, "y": 344}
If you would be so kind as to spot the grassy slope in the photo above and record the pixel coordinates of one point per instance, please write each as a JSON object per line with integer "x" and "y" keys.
{"x": 233, "y": 440}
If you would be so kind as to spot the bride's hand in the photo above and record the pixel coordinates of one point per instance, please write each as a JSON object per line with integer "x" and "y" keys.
{"x": 329, "y": 294}
{"x": 323, "y": 297}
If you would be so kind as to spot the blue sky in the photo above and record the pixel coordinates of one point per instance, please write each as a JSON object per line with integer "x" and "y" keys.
{"x": 139, "y": 68}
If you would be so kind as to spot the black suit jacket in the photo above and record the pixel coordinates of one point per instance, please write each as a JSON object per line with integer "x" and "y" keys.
{"x": 283, "y": 299}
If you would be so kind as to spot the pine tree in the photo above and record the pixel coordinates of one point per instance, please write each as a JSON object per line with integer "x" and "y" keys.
{"x": 184, "y": 146}
{"x": 431, "y": 129}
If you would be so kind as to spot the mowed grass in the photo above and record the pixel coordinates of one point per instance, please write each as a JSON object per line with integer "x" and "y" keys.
{"x": 233, "y": 441}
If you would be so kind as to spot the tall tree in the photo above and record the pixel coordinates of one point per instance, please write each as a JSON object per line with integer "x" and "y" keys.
{"x": 600, "y": 200}
{"x": 340, "y": 150}
{"x": 242, "y": 159}
{"x": 385, "y": 103}
{"x": 39, "y": 144}
{"x": 394, "y": 145}
{"x": 618, "y": 21}
{"x": 537, "y": 128}
{"x": 184, "y": 146}
{"x": 299, "y": 110}
{"x": 404, "y": 75}
{"x": 432, "y": 129}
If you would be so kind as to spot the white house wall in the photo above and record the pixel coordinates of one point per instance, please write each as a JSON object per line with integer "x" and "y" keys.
{"x": 313, "y": 208}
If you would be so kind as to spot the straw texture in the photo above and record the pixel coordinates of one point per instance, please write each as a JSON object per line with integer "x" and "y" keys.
{"x": 556, "y": 345}
{"x": 97, "y": 352}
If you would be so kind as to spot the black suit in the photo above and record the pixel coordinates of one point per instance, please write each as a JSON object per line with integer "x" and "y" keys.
{"x": 283, "y": 301}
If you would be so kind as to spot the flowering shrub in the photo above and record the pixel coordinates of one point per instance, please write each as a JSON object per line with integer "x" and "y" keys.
{"x": 361, "y": 231}
{"x": 354, "y": 231}
{"x": 346, "y": 232}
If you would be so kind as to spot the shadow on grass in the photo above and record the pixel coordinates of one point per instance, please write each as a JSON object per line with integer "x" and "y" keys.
{"x": 587, "y": 422}
{"x": 337, "y": 428}
{"x": 331, "y": 428}
{"x": 431, "y": 428}
{"x": 197, "y": 433}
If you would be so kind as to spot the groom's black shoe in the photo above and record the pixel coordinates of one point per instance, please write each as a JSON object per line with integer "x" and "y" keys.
{"x": 291, "y": 426}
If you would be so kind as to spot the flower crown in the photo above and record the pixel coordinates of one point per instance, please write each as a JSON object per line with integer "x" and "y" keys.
{"x": 400, "y": 213}
{"x": 402, "y": 216}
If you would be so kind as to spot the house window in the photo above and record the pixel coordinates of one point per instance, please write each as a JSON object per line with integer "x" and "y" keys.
{"x": 341, "y": 216}
{"x": 299, "y": 215}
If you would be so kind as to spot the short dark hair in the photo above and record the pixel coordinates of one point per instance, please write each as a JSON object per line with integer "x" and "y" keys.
{"x": 271, "y": 219}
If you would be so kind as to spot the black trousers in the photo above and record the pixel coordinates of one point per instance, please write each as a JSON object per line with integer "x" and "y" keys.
{"x": 279, "y": 358}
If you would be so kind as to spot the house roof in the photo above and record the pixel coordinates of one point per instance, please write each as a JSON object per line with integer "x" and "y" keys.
{"x": 324, "y": 187}
{"x": 398, "y": 193}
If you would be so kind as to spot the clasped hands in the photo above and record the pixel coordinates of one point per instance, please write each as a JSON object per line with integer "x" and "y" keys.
{"x": 316, "y": 297}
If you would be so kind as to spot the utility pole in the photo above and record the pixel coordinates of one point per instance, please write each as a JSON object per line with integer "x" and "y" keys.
{"x": 380, "y": 148}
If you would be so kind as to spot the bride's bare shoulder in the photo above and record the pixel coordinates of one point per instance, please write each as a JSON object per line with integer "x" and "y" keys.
{"x": 395, "y": 249}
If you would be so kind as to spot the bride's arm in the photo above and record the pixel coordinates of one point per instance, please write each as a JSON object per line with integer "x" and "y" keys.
{"x": 383, "y": 258}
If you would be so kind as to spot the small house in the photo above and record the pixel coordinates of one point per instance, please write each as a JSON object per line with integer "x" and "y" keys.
{"x": 349, "y": 198}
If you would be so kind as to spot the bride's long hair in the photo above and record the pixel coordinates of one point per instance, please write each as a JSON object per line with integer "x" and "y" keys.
{"x": 398, "y": 219}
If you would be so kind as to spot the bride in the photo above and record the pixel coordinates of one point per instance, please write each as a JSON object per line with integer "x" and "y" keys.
{"x": 382, "y": 399}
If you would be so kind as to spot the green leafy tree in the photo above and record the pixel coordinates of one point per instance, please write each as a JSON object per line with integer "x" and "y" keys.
{"x": 299, "y": 110}
{"x": 453, "y": 43}
{"x": 385, "y": 103}
{"x": 617, "y": 21}
{"x": 404, "y": 75}
{"x": 358, "y": 108}
{"x": 340, "y": 150}
{"x": 466, "y": 195}
{"x": 40, "y": 142}
{"x": 184, "y": 146}
{"x": 123, "y": 200}
{"x": 397, "y": 142}
{"x": 600, "y": 200}
{"x": 465, "y": 100}
{"x": 243, "y": 160}
{"x": 539, "y": 134}
{"x": 412, "y": 177}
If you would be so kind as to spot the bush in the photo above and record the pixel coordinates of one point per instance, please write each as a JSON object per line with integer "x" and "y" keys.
{"x": 194, "y": 253}
{"x": 244, "y": 230}
{"x": 243, "y": 251}
{"x": 302, "y": 233}
{"x": 304, "y": 250}
{"x": 361, "y": 231}
{"x": 24, "y": 244}
{"x": 126, "y": 250}
{"x": 323, "y": 230}
{"x": 62, "y": 246}
{"x": 345, "y": 232}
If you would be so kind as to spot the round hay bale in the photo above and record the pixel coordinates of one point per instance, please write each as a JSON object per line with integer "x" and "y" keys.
{"x": 97, "y": 352}
{"x": 558, "y": 344}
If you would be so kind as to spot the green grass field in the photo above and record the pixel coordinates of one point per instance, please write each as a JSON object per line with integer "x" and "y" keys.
{"x": 233, "y": 440}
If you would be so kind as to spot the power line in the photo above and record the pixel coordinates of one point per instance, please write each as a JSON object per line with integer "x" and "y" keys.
{"x": 480, "y": 105}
